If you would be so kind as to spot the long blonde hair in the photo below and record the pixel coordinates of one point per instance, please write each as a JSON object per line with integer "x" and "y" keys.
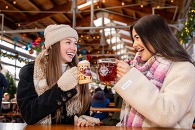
{"x": 54, "y": 72}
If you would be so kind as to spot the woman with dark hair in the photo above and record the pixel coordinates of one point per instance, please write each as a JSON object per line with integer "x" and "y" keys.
{"x": 48, "y": 91}
{"x": 158, "y": 87}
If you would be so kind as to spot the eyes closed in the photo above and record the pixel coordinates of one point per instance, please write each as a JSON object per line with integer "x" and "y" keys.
{"x": 136, "y": 37}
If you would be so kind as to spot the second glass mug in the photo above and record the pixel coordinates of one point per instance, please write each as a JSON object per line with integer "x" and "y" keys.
{"x": 107, "y": 70}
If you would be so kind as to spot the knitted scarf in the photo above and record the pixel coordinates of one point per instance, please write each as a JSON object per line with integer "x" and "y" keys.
{"x": 72, "y": 106}
{"x": 155, "y": 69}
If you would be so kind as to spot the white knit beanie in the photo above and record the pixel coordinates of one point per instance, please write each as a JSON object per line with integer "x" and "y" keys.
{"x": 55, "y": 33}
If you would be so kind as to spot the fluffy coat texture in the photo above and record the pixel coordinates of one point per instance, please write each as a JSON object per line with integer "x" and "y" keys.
{"x": 34, "y": 108}
{"x": 171, "y": 106}
{"x": 73, "y": 106}
{"x": 155, "y": 69}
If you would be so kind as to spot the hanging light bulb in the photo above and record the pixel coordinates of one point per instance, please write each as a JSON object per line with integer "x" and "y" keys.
{"x": 122, "y": 3}
{"x": 158, "y": 6}
{"x": 14, "y": 2}
{"x": 6, "y": 6}
{"x": 172, "y": 1}
{"x": 103, "y": 1}
{"x": 141, "y": 4}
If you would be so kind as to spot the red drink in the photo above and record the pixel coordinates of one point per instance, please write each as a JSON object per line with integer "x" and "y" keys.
{"x": 107, "y": 70}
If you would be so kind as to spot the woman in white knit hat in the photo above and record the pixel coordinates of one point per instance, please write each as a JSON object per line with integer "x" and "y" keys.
{"x": 48, "y": 90}
{"x": 159, "y": 86}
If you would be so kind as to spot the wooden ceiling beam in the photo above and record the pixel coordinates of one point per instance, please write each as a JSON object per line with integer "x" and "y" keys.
{"x": 11, "y": 12}
{"x": 111, "y": 3}
{"x": 83, "y": 21}
{"x": 122, "y": 19}
{"x": 58, "y": 9}
{"x": 125, "y": 37}
{"x": 62, "y": 18}
{"x": 80, "y": 16}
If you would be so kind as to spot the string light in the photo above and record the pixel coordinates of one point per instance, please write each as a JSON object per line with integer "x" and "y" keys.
{"x": 6, "y": 6}
{"x": 14, "y": 56}
{"x": 141, "y": 4}
{"x": 186, "y": 33}
{"x": 122, "y": 3}
{"x": 158, "y": 6}
{"x": 14, "y": 2}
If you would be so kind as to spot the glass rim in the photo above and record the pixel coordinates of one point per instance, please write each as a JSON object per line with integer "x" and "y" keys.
{"x": 107, "y": 60}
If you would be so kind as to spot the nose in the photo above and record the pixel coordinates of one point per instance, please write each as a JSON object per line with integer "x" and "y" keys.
{"x": 134, "y": 44}
{"x": 73, "y": 46}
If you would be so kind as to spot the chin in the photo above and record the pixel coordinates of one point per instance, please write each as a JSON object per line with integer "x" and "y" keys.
{"x": 143, "y": 59}
{"x": 66, "y": 61}
{"x": 69, "y": 60}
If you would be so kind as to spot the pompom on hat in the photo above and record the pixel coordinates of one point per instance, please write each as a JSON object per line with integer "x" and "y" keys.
{"x": 55, "y": 33}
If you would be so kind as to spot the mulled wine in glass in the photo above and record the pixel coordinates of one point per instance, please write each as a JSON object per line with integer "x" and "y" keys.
{"x": 107, "y": 70}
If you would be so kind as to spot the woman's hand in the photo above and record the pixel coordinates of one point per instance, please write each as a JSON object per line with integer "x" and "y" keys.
{"x": 122, "y": 68}
{"x": 84, "y": 120}
{"x": 69, "y": 79}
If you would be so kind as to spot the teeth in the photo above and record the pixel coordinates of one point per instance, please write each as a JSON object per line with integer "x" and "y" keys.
{"x": 140, "y": 50}
{"x": 70, "y": 53}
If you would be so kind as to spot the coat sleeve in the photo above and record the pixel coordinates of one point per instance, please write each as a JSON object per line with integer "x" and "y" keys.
{"x": 33, "y": 107}
{"x": 4, "y": 81}
{"x": 166, "y": 107}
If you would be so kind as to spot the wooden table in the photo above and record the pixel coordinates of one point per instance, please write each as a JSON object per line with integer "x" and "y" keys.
{"x": 112, "y": 104}
{"x": 12, "y": 113}
{"x": 107, "y": 109}
{"x": 6, "y": 102}
{"x": 23, "y": 126}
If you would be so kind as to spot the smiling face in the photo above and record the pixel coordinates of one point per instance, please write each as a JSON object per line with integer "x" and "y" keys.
{"x": 68, "y": 49}
{"x": 140, "y": 47}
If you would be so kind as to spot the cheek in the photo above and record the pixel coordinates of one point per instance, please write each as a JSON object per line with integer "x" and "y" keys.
{"x": 63, "y": 52}
{"x": 63, "y": 48}
{"x": 147, "y": 56}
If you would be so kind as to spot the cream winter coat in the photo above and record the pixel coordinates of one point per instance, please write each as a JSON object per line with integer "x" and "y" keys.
{"x": 172, "y": 106}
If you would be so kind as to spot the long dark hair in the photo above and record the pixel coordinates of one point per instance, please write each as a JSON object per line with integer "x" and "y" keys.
{"x": 153, "y": 30}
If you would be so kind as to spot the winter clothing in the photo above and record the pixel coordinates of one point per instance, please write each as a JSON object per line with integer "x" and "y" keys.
{"x": 74, "y": 105}
{"x": 72, "y": 82}
{"x": 99, "y": 100}
{"x": 55, "y": 33}
{"x": 34, "y": 109}
{"x": 155, "y": 69}
{"x": 114, "y": 119}
{"x": 171, "y": 106}
{"x": 3, "y": 84}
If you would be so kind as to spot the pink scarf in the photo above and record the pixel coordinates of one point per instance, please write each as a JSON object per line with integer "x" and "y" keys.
{"x": 155, "y": 69}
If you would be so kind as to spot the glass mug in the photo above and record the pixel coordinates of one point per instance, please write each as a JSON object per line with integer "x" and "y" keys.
{"x": 107, "y": 70}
